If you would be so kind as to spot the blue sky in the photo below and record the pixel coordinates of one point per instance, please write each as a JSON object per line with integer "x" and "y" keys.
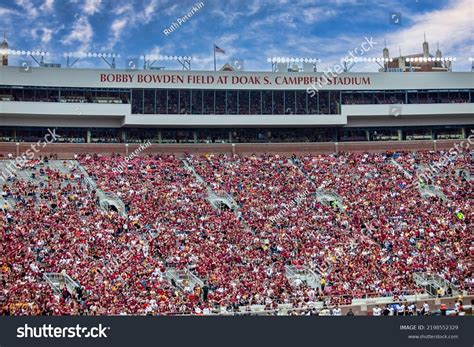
{"x": 248, "y": 29}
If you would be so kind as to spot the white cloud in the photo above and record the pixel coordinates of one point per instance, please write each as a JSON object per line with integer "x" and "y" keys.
{"x": 149, "y": 10}
{"x": 316, "y": 14}
{"x": 117, "y": 27}
{"x": 28, "y": 6}
{"x": 129, "y": 18}
{"x": 119, "y": 10}
{"x": 47, "y": 35}
{"x": 48, "y": 5}
{"x": 7, "y": 12}
{"x": 81, "y": 33}
{"x": 92, "y": 6}
{"x": 451, "y": 26}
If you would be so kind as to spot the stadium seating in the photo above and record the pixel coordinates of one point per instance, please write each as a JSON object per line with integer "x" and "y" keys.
{"x": 366, "y": 245}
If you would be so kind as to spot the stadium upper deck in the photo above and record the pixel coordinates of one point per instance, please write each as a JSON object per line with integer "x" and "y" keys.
{"x": 114, "y": 104}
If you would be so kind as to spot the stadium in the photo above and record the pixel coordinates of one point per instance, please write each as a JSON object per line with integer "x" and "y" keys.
{"x": 144, "y": 191}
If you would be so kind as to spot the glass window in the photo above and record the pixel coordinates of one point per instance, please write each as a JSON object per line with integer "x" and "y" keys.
{"x": 173, "y": 100}
{"x": 161, "y": 101}
{"x": 213, "y": 135}
{"x": 267, "y": 102}
{"x": 422, "y": 97}
{"x": 220, "y": 101}
{"x": 323, "y": 102}
{"x": 432, "y": 96}
{"x": 208, "y": 102}
{"x": 379, "y": 97}
{"x": 289, "y": 102}
{"x": 313, "y": 103}
{"x": 278, "y": 102}
{"x": 244, "y": 101}
{"x": 232, "y": 101}
{"x": 464, "y": 96}
{"x": 149, "y": 101}
{"x": 28, "y": 94}
{"x": 347, "y": 98}
{"x": 412, "y": 97}
{"x": 185, "y": 101}
{"x": 443, "y": 96}
{"x": 335, "y": 103}
{"x": 352, "y": 135}
{"x": 137, "y": 101}
{"x": 301, "y": 96}
{"x": 5, "y": 94}
{"x": 196, "y": 101}
{"x": 255, "y": 102}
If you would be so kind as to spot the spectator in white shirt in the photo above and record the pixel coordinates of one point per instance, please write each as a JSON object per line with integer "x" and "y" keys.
{"x": 426, "y": 308}
{"x": 377, "y": 311}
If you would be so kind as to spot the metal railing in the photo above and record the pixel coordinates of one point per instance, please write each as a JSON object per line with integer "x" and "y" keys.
{"x": 183, "y": 278}
{"x": 304, "y": 274}
{"x": 432, "y": 282}
{"x": 57, "y": 280}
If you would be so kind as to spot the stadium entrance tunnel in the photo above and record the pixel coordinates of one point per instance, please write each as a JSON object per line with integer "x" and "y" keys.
{"x": 110, "y": 203}
{"x": 221, "y": 203}
{"x": 329, "y": 198}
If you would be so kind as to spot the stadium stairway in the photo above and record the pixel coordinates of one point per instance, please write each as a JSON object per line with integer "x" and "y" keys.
{"x": 323, "y": 196}
{"x": 296, "y": 274}
{"x": 57, "y": 280}
{"x": 426, "y": 191}
{"x": 217, "y": 200}
{"x": 430, "y": 191}
{"x": 106, "y": 199}
{"x": 183, "y": 278}
{"x": 401, "y": 168}
{"x": 431, "y": 283}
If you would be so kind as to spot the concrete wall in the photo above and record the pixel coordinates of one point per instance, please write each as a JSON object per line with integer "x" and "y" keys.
{"x": 67, "y": 150}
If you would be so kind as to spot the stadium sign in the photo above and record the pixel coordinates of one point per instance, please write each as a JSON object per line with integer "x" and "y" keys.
{"x": 100, "y": 78}
{"x": 236, "y": 80}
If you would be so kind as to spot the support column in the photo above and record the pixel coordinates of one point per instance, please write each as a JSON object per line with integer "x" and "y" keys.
{"x": 195, "y": 135}
{"x": 367, "y": 134}
{"x": 88, "y": 136}
{"x": 463, "y": 133}
{"x": 159, "y": 136}
{"x": 123, "y": 135}
{"x": 230, "y": 136}
{"x": 400, "y": 135}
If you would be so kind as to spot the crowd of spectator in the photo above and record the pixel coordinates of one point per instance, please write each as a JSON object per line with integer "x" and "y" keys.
{"x": 367, "y": 245}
